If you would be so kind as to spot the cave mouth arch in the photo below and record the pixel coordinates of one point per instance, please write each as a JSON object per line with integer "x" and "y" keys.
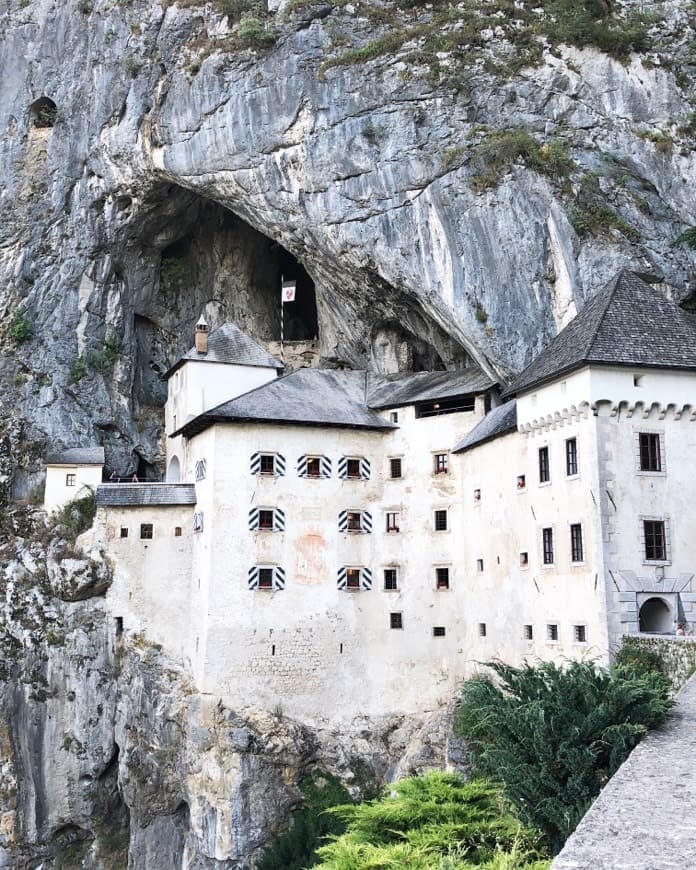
{"x": 655, "y": 617}
{"x": 43, "y": 113}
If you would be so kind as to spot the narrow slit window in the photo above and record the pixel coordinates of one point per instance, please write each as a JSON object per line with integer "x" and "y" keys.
{"x": 124, "y": 532}
{"x": 442, "y": 578}
{"x": 580, "y": 634}
{"x": 394, "y": 416}
{"x": 177, "y": 531}
{"x": 477, "y": 495}
{"x": 547, "y": 546}
{"x": 552, "y": 631}
{"x": 544, "y": 469}
{"x": 479, "y": 565}
{"x": 482, "y": 629}
{"x": 528, "y": 632}
{"x": 524, "y": 559}
{"x": 577, "y": 550}
{"x": 440, "y": 520}
{"x": 521, "y": 481}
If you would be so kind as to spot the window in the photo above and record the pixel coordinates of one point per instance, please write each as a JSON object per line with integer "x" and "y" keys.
{"x": 527, "y": 632}
{"x": 440, "y": 463}
{"x": 637, "y": 380}
{"x": 267, "y": 465}
{"x": 353, "y": 578}
{"x": 391, "y": 580}
{"x": 544, "y": 471}
{"x": 445, "y": 406}
{"x": 146, "y": 531}
{"x": 571, "y": 451}
{"x": 313, "y": 466}
{"x": 440, "y": 520}
{"x": 552, "y": 631}
{"x": 439, "y": 631}
{"x": 482, "y": 629}
{"x": 442, "y": 578}
{"x": 265, "y": 578}
{"x": 521, "y": 481}
{"x": 396, "y": 620}
{"x": 354, "y": 521}
{"x": 353, "y": 468}
{"x": 477, "y": 495}
{"x": 266, "y": 520}
{"x": 655, "y": 540}
{"x": 177, "y": 531}
{"x": 395, "y": 467}
{"x": 479, "y": 565}
{"x": 524, "y": 559}
{"x": 577, "y": 553}
{"x": 650, "y": 451}
{"x": 70, "y": 479}
{"x": 394, "y": 416}
{"x": 393, "y": 523}
{"x": 124, "y": 532}
{"x": 580, "y": 634}
{"x": 547, "y": 546}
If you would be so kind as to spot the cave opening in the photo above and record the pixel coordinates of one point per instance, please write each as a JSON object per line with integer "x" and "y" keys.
{"x": 43, "y": 112}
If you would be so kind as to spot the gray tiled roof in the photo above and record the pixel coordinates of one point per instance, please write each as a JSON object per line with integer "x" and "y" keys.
{"x": 497, "y": 422}
{"x": 77, "y": 456}
{"x": 135, "y": 494}
{"x": 392, "y": 391}
{"x": 628, "y": 323}
{"x": 320, "y": 397}
{"x": 228, "y": 344}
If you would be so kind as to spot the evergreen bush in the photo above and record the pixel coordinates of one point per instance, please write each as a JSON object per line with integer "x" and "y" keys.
{"x": 76, "y": 516}
{"x": 20, "y": 328}
{"x": 554, "y": 734}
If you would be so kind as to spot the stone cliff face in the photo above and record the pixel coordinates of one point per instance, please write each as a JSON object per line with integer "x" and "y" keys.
{"x": 153, "y": 167}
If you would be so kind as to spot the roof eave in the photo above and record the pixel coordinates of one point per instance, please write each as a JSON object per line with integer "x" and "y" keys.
{"x": 205, "y": 421}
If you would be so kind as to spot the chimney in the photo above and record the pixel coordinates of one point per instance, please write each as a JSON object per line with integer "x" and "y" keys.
{"x": 202, "y": 335}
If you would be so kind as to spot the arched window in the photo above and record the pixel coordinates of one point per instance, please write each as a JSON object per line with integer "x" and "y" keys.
{"x": 174, "y": 471}
{"x": 43, "y": 112}
{"x": 656, "y": 616}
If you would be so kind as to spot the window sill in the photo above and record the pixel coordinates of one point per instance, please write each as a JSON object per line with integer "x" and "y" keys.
{"x": 657, "y": 563}
{"x": 391, "y": 591}
{"x": 544, "y": 483}
{"x": 645, "y": 473}
{"x": 572, "y": 477}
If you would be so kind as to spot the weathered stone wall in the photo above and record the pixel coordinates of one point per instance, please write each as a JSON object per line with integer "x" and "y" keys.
{"x": 678, "y": 654}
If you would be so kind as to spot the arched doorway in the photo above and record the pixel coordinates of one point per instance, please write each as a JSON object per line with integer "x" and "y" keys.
{"x": 655, "y": 617}
{"x": 174, "y": 471}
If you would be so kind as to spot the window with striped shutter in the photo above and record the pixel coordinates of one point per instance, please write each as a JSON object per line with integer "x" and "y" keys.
{"x": 354, "y": 578}
{"x": 355, "y": 521}
{"x": 314, "y": 467}
{"x": 354, "y": 468}
{"x": 267, "y": 464}
{"x": 266, "y": 577}
{"x": 266, "y": 519}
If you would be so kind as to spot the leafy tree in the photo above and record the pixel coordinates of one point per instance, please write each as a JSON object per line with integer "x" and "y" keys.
{"x": 433, "y": 822}
{"x": 554, "y": 734}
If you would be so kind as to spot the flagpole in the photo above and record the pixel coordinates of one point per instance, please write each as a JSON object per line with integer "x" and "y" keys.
{"x": 282, "y": 318}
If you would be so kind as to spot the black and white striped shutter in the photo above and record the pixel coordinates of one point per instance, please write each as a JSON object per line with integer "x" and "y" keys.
{"x": 255, "y": 463}
{"x": 279, "y": 578}
{"x": 278, "y": 520}
{"x": 342, "y": 578}
{"x": 325, "y": 466}
{"x": 279, "y": 463}
{"x": 253, "y": 579}
{"x": 302, "y": 466}
{"x": 364, "y": 468}
{"x": 365, "y": 579}
{"x": 342, "y": 467}
{"x": 343, "y": 521}
{"x": 365, "y": 521}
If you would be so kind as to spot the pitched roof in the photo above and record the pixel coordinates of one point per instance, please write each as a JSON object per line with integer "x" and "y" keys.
{"x": 393, "y": 391}
{"x": 77, "y": 456}
{"x": 319, "y": 397}
{"x": 498, "y": 421}
{"x": 628, "y": 323}
{"x": 228, "y": 344}
{"x": 148, "y": 494}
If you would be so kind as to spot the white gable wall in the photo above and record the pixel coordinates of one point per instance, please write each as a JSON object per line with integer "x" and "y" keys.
{"x": 58, "y": 493}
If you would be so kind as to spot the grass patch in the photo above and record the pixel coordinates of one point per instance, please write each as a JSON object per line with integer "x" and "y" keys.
{"x": 502, "y": 149}
{"x": 688, "y": 238}
{"x": 590, "y": 215}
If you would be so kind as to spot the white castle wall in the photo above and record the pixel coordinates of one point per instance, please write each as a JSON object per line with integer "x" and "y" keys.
{"x": 58, "y": 493}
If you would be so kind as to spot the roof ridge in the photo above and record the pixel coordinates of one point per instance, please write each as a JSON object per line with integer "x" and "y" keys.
{"x": 614, "y": 282}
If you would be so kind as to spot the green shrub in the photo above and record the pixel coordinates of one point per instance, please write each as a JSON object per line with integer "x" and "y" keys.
{"x": 295, "y": 848}
{"x": 688, "y": 237}
{"x": 253, "y": 34}
{"x": 434, "y": 821}
{"x": 588, "y": 23}
{"x": 635, "y": 657}
{"x": 78, "y": 370}
{"x": 554, "y": 734}
{"x": 501, "y": 149}
{"x": 76, "y": 516}
{"x": 590, "y": 215}
{"x": 20, "y": 328}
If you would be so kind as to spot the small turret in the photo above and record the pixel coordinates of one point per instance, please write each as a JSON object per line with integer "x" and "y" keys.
{"x": 202, "y": 330}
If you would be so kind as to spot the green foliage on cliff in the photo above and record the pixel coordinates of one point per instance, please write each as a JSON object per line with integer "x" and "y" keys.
{"x": 76, "y": 516}
{"x": 553, "y": 734}
{"x": 590, "y": 215}
{"x": 503, "y": 148}
{"x": 433, "y": 822}
{"x": 688, "y": 237}
{"x": 295, "y": 848}
{"x": 20, "y": 328}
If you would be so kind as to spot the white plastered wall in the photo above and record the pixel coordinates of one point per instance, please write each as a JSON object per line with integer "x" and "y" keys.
{"x": 58, "y": 493}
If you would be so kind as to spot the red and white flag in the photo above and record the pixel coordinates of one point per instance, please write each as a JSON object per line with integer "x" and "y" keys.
{"x": 288, "y": 291}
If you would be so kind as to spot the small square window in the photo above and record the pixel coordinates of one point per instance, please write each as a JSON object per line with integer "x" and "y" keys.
{"x": 70, "y": 479}
{"x": 552, "y": 631}
{"x": 391, "y": 580}
{"x": 439, "y": 631}
{"x": 265, "y": 578}
{"x": 528, "y": 632}
{"x": 650, "y": 451}
{"x": 580, "y": 634}
{"x": 440, "y": 520}
{"x": 544, "y": 468}
{"x": 479, "y": 565}
{"x": 146, "y": 531}
{"x": 393, "y": 521}
{"x": 571, "y": 448}
{"x": 394, "y": 416}
{"x": 353, "y": 578}
{"x": 177, "y": 531}
{"x": 266, "y": 520}
{"x": 477, "y": 495}
{"x": 482, "y": 629}
{"x": 396, "y": 620}
{"x": 354, "y": 523}
{"x": 521, "y": 481}
{"x": 314, "y": 466}
{"x": 395, "y": 467}
{"x": 547, "y": 546}
{"x": 124, "y": 532}
{"x": 353, "y": 468}
{"x": 442, "y": 578}
{"x": 577, "y": 550}
{"x": 524, "y": 559}
{"x": 440, "y": 463}
{"x": 267, "y": 463}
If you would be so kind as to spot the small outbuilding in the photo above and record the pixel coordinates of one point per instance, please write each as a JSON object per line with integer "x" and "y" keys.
{"x": 72, "y": 474}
